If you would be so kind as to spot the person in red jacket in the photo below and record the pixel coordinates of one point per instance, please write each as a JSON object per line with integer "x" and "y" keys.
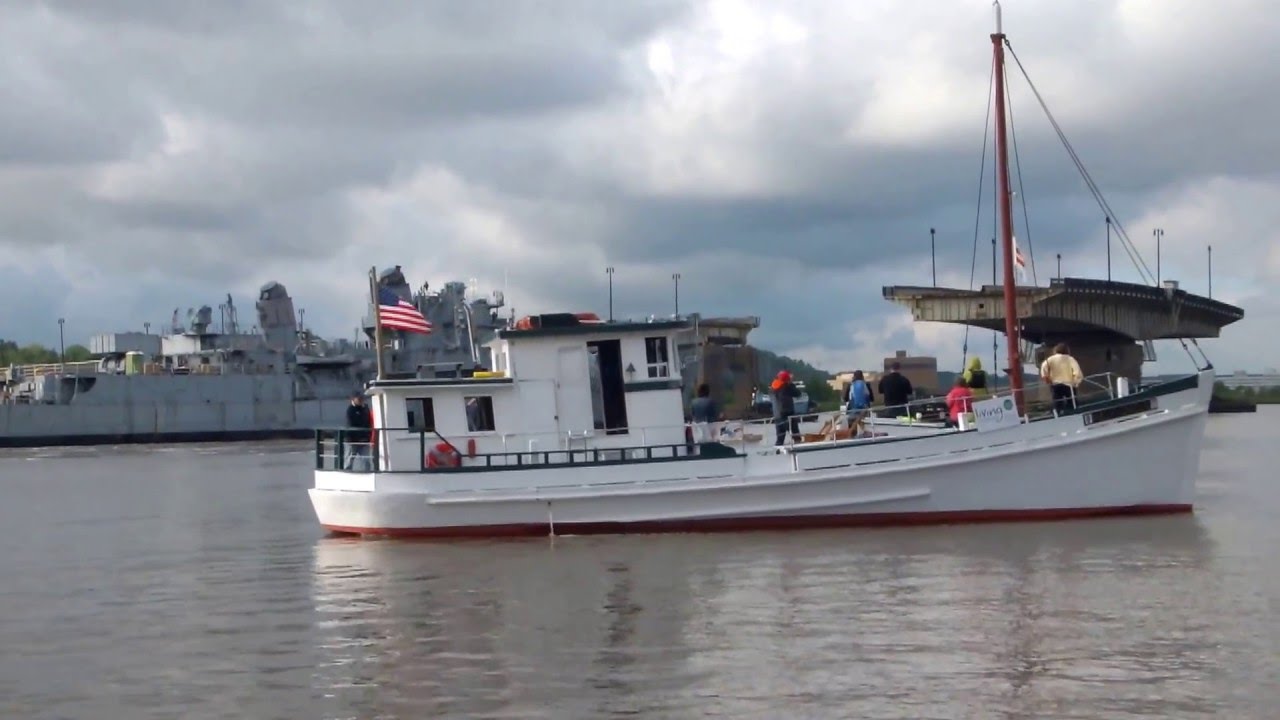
{"x": 959, "y": 400}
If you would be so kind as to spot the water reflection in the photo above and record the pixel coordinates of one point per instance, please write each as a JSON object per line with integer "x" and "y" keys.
{"x": 671, "y": 625}
{"x": 188, "y": 582}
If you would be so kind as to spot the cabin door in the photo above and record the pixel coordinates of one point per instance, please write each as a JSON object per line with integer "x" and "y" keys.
{"x": 611, "y": 395}
{"x": 573, "y": 390}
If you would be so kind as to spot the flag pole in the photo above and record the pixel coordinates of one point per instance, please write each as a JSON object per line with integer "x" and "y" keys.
{"x": 377, "y": 319}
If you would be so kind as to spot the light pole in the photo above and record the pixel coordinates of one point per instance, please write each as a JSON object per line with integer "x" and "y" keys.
{"x": 1159, "y": 234}
{"x": 1059, "y": 266}
{"x": 1210, "y": 272}
{"x": 62, "y": 345}
{"x": 1108, "y": 248}
{"x": 609, "y": 271}
{"x": 675, "y": 277}
{"x": 146, "y": 328}
{"x": 933, "y": 254}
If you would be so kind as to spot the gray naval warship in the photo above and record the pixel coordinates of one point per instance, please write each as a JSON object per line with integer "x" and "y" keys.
{"x": 200, "y": 382}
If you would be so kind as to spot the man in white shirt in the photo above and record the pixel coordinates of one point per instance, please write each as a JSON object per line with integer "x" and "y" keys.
{"x": 1062, "y": 372}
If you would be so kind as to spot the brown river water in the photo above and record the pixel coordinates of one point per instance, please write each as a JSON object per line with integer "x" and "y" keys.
{"x": 193, "y": 582}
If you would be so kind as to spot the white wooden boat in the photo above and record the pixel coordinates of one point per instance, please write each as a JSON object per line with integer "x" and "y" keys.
{"x": 580, "y": 429}
{"x": 540, "y": 460}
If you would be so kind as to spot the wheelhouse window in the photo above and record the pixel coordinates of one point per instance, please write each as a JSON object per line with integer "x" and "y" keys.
{"x": 655, "y": 352}
{"x": 421, "y": 414}
{"x": 480, "y": 413}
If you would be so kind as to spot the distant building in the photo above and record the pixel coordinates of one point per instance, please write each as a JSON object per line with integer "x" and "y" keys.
{"x": 921, "y": 370}
{"x": 1242, "y": 379}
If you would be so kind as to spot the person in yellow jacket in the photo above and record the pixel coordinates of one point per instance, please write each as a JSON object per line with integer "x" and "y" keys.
{"x": 1062, "y": 372}
{"x": 976, "y": 378}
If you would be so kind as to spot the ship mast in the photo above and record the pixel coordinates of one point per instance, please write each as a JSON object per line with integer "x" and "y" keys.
{"x": 1006, "y": 221}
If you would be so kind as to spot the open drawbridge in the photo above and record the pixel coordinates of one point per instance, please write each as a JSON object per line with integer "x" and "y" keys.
{"x": 1109, "y": 325}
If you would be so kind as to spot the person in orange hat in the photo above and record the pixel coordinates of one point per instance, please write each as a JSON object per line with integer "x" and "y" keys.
{"x": 784, "y": 406}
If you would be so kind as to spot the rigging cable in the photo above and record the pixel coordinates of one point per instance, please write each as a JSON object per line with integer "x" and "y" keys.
{"x": 1143, "y": 271}
{"x": 977, "y": 221}
{"x": 1022, "y": 195}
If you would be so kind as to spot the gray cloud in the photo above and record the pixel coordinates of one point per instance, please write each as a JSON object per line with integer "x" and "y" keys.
{"x": 787, "y": 160}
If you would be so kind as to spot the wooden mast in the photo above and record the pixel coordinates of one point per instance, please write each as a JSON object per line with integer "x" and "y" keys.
{"x": 1012, "y": 337}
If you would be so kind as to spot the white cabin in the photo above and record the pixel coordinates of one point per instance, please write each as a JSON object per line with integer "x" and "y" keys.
{"x": 560, "y": 382}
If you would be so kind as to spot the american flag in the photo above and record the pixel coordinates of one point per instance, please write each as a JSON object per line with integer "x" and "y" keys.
{"x": 399, "y": 314}
{"x": 1017, "y": 256}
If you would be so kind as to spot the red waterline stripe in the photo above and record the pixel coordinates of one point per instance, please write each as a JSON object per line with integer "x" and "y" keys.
{"x": 770, "y": 523}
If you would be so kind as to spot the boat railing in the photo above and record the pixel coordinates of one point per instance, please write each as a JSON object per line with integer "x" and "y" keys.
{"x": 365, "y": 450}
{"x": 81, "y": 367}
{"x": 933, "y": 410}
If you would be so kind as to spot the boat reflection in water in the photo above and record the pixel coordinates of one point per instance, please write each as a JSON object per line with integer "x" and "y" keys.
{"x": 759, "y": 623}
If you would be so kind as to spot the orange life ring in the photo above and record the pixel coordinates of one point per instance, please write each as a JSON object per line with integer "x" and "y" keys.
{"x": 443, "y": 455}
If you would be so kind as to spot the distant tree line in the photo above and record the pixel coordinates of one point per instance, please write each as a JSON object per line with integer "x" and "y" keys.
{"x": 13, "y": 354}
{"x": 816, "y": 381}
{"x": 1264, "y": 396}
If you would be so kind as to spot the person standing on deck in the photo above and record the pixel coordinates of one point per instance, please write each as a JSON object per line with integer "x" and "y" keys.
{"x": 784, "y": 406}
{"x": 860, "y": 399}
{"x": 975, "y": 378}
{"x": 358, "y": 418}
{"x": 1062, "y": 372}
{"x": 704, "y": 414}
{"x": 896, "y": 390}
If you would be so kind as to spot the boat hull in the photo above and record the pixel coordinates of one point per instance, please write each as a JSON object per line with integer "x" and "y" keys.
{"x": 1049, "y": 470}
{"x": 761, "y": 523}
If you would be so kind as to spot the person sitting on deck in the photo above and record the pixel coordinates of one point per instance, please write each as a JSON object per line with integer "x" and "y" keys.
{"x": 959, "y": 400}
{"x": 358, "y": 418}
{"x": 784, "y": 407}
{"x": 976, "y": 377}
{"x": 1063, "y": 374}
{"x": 896, "y": 390}
{"x": 704, "y": 414}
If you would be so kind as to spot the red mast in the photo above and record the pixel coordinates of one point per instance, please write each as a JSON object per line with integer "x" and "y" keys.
{"x": 1006, "y": 221}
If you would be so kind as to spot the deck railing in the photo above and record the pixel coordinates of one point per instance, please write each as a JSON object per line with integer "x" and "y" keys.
{"x": 363, "y": 450}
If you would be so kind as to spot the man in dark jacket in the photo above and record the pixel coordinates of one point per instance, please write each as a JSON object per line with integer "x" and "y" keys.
{"x": 358, "y": 418}
{"x": 896, "y": 390}
{"x": 784, "y": 406}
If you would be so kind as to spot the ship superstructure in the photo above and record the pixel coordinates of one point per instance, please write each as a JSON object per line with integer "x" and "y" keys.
{"x": 207, "y": 378}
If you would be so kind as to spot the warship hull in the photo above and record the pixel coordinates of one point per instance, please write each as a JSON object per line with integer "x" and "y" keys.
{"x": 131, "y": 409}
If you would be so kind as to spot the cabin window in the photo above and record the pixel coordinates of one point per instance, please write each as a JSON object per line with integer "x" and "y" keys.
{"x": 421, "y": 414}
{"x": 480, "y": 413}
{"x": 655, "y": 353}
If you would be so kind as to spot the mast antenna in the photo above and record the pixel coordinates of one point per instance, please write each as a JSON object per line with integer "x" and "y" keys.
{"x": 999, "y": 21}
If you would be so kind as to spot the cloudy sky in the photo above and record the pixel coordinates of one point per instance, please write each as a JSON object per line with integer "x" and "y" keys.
{"x": 786, "y": 158}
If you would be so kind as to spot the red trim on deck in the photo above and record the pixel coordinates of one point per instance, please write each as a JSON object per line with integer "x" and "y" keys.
{"x": 770, "y": 523}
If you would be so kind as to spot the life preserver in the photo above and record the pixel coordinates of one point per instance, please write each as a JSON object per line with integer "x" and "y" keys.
{"x": 443, "y": 455}
{"x": 471, "y": 447}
